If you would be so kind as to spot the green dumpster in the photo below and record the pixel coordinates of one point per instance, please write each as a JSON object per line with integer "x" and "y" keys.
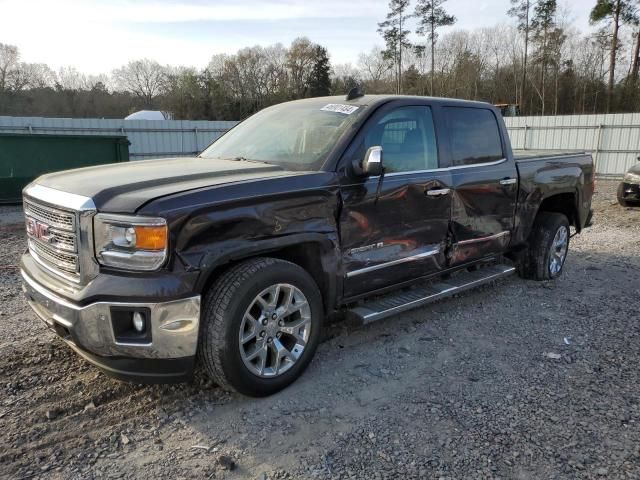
{"x": 25, "y": 157}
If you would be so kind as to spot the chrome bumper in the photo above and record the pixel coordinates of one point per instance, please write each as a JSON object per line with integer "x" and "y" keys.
{"x": 174, "y": 324}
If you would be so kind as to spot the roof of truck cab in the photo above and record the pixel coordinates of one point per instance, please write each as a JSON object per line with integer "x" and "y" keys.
{"x": 378, "y": 99}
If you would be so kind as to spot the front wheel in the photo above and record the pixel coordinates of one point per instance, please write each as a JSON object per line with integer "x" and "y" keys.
{"x": 548, "y": 247}
{"x": 261, "y": 326}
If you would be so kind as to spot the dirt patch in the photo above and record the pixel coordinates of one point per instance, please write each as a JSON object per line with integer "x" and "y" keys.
{"x": 519, "y": 380}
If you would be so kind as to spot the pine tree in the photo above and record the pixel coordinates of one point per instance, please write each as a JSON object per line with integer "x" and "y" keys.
{"x": 320, "y": 80}
{"x": 618, "y": 13}
{"x": 543, "y": 27}
{"x": 432, "y": 16}
{"x": 521, "y": 10}
{"x": 395, "y": 35}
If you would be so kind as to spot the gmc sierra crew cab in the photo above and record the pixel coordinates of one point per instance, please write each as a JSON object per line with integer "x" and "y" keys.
{"x": 363, "y": 206}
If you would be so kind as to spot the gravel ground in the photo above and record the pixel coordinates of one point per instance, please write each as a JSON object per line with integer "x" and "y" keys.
{"x": 10, "y": 214}
{"x": 520, "y": 380}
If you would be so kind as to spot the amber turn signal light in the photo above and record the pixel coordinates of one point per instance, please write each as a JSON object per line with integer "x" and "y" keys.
{"x": 151, "y": 237}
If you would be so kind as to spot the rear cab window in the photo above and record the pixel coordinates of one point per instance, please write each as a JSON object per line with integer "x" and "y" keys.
{"x": 474, "y": 135}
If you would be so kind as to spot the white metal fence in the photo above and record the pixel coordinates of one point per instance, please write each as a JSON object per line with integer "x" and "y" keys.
{"x": 612, "y": 139}
{"x": 149, "y": 138}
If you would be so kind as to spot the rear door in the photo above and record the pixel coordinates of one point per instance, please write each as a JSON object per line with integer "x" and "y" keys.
{"x": 398, "y": 233}
{"x": 484, "y": 180}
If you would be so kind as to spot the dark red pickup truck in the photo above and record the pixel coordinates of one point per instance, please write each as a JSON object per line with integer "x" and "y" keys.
{"x": 367, "y": 204}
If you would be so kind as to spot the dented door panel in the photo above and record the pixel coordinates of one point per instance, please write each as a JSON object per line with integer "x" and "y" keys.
{"x": 483, "y": 210}
{"x": 397, "y": 236}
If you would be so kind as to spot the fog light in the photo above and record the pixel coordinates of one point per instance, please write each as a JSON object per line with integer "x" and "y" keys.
{"x": 138, "y": 321}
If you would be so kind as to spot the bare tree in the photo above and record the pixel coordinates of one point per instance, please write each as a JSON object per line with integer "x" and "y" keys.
{"x": 344, "y": 77}
{"x": 216, "y": 64}
{"x": 300, "y": 61}
{"x": 39, "y": 75}
{"x": 277, "y": 74}
{"x": 69, "y": 78}
{"x": 375, "y": 67}
{"x": 495, "y": 43}
{"x": 97, "y": 82}
{"x": 29, "y": 75}
{"x": 9, "y": 58}
{"x": 144, "y": 78}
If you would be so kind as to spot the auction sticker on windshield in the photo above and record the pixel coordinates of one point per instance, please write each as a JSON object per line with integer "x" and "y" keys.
{"x": 336, "y": 107}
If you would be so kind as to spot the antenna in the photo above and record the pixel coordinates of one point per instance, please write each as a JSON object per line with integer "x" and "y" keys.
{"x": 355, "y": 92}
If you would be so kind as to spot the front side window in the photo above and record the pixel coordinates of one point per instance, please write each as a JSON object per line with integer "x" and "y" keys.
{"x": 474, "y": 135}
{"x": 407, "y": 138}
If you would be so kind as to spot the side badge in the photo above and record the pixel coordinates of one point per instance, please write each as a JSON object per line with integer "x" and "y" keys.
{"x": 366, "y": 248}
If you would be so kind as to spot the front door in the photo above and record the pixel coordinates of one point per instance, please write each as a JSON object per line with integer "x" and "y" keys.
{"x": 394, "y": 229}
{"x": 484, "y": 181}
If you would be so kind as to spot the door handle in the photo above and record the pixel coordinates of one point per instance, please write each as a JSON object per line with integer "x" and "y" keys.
{"x": 436, "y": 192}
{"x": 508, "y": 181}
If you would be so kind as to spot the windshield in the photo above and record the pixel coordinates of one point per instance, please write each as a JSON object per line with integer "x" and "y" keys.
{"x": 294, "y": 135}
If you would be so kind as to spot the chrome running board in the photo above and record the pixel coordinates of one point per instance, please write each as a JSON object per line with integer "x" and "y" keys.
{"x": 396, "y": 302}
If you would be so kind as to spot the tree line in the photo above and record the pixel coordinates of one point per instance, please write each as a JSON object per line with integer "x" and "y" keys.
{"x": 539, "y": 61}
{"x": 229, "y": 88}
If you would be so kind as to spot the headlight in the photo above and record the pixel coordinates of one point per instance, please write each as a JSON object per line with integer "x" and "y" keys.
{"x": 631, "y": 177}
{"x": 130, "y": 242}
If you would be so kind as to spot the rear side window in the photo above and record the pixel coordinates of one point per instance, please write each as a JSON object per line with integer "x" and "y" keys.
{"x": 474, "y": 135}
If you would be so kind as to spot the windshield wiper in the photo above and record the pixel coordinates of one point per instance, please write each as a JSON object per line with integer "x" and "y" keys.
{"x": 244, "y": 159}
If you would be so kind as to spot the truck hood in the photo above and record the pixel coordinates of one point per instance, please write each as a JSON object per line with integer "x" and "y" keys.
{"x": 125, "y": 187}
{"x": 635, "y": 169}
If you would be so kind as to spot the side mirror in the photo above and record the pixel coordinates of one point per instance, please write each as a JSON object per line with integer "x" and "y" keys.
{"x": 372, "y": 163}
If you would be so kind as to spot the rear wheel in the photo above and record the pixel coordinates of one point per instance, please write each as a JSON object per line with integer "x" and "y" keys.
{"x": 262, "y": 322}
{"x": 548, "y": 247}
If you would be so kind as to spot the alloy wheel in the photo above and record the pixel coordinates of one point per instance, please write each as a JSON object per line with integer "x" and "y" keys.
{"x": 559, "y": 248}
{"x": 275, "y": 330}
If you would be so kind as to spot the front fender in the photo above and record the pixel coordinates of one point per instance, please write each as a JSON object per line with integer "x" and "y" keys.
{"x": 219, "y": 235}
{"x": 233, "y": 251}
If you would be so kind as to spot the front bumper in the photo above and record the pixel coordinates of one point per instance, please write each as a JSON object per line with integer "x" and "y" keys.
{"x": 630, "y": 191}
{"x": 167, "y": 357}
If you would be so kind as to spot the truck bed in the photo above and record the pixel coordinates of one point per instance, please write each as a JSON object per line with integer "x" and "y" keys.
{"x": 566, "y": 173}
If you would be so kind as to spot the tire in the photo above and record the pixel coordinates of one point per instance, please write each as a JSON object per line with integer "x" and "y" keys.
{"x": 538, "y": 262}
{"x": 620, "y": 195}
{"x": 238, "y": 300}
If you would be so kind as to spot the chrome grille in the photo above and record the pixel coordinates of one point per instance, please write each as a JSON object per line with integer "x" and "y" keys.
{"x": 51, "y": 216}
{"x": 63, "y": 261}
{"x": 53, "y": 238}
{"x": 64, "y": 241}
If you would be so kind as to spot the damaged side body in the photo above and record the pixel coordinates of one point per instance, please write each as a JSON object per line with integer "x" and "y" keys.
{"x": 289, "y": 217}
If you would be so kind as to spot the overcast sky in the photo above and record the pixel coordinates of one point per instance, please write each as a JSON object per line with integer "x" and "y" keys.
{"x": 96, "y": 36}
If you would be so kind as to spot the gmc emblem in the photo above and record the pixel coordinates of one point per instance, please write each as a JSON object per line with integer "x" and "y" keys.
{"x": 39, "y": 230}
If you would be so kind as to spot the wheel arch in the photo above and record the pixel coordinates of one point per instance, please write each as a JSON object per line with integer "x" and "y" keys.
{"x": 317, "y": 254}
{"x": 565, "y": 203}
